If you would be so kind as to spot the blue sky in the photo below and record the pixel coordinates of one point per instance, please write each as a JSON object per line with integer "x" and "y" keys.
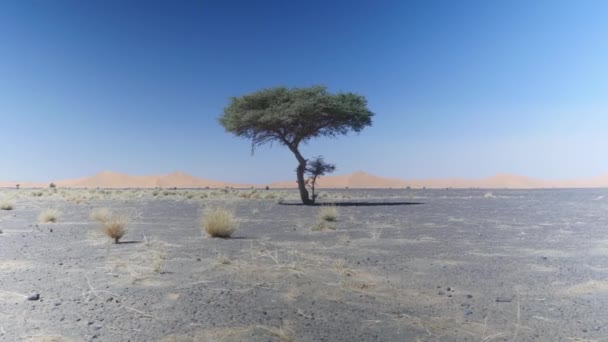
{"x": 459, "y": 88}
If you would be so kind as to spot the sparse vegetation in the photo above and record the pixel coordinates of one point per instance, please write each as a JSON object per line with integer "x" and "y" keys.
{"x": 158, "y": 260}
{"x": 112, "y": 225}
{"x": 219, "y": 222}
{"x": 100, "y": 214}
{"x": 49, "y": 216}
{"x": 7, "y": 204}
{"x": 316, "y": 168}
{"x": 328, "y": 213}
{"x": 223, "y": 260}
{"x": 321, "y": 225}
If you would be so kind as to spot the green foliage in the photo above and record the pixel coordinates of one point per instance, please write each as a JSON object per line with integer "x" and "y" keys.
{"x": 316, "y": 168}
{"x": 295, "y": 115}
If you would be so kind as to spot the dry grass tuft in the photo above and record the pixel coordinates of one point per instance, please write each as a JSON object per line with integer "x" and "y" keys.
{"x": 114, "y": 227}
{"x": 329, "y": 213}
{"x": 100, "y": 214}
{"x": 321, "y": 225}
{"x": 219, "y": 222}
{"x": 49, "y": 216}
{"x": 223, "y": 260}
{"x": 7, "y": 204}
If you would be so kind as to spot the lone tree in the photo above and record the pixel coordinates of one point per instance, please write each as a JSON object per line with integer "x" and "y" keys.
{"x": 293, "y": 116}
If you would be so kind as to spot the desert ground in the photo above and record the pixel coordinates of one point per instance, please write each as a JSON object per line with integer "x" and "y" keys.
{"x": 405, "y": 265}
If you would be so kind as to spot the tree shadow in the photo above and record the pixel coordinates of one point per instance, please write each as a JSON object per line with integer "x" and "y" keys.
{"x": 127, "y": 242}
{"x": 354, "y": 204}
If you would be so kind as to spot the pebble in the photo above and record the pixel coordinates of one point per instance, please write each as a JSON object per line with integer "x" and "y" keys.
{"x": 503, "y": 300}
{"x": 33, "y": 296}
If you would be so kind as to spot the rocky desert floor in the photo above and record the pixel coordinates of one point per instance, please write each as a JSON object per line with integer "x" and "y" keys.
{"x": 461, "y": 265}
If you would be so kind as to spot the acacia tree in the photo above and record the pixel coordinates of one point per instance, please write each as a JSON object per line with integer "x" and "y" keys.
{"x": 316, "y": 168}
{"x": 293, "y": 116}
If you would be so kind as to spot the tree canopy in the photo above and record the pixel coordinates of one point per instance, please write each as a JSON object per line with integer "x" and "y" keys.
{"x": 295, "y": 115}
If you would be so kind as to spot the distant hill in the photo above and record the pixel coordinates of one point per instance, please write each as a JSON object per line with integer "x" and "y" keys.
{"x": 364, "y": 180}
{"x": 357, "y": 180}
{"x": 109, "y": 179}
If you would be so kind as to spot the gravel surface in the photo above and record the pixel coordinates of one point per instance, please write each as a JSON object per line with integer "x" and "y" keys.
{"x": 462, "y": 265}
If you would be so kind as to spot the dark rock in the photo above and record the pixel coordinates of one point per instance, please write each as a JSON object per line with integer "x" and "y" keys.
{"x": 503, "y": 300}
{"x": 33, "y": 296}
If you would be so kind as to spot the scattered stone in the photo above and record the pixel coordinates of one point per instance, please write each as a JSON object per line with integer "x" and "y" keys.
{"x": 468, "y": 313}
{"x": 503, "y": 300}
{"x": 545, "y": 258}
{"x": 441, "y": 293}
{"x": 33, "y": 296}
{"x": 469, "y": 296}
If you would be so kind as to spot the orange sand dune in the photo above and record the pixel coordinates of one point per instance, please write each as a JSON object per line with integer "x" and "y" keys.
{"x": 109, "y": 179}
{"x": 361, "y": 180}
{"x": 502, "y": 181}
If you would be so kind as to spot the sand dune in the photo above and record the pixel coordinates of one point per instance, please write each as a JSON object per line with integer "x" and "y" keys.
{"x": 109, "y": 179}
{"x": 501, "y": 181}
{"x": 357, "y": 180}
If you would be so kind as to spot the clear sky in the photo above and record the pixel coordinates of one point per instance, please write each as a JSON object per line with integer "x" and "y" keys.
{"x": 459, "y": 88}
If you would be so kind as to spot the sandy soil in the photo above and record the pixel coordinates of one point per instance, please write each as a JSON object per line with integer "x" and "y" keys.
{"x": 461, "y": 266}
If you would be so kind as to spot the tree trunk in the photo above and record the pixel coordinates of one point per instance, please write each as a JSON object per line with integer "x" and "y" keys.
{"x": 300, "y": 174}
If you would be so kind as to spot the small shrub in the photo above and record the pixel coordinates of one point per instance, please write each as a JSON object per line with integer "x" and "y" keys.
{"x": 320, "y": 226}
{"x": 158, "y": 260}
{"x": 219, "y": 222}
{"x": 114, "y": 226}
{"x": 329, "y": 213}
{"x": 223, "y": 260}
{"x": 7, "y": 204}
{"x": 100, "y": 214}
{"x": 49, "y": 216}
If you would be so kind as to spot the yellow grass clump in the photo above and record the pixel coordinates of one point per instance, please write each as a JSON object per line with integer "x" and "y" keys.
{"x": 100, "y": 214}
{"x": 49, "y": 216}
{"x": 219, "y": 222}
{"x": 113, "y": 225}
{"x": 328, "y": 213}
{"x": 7, "y": 204}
